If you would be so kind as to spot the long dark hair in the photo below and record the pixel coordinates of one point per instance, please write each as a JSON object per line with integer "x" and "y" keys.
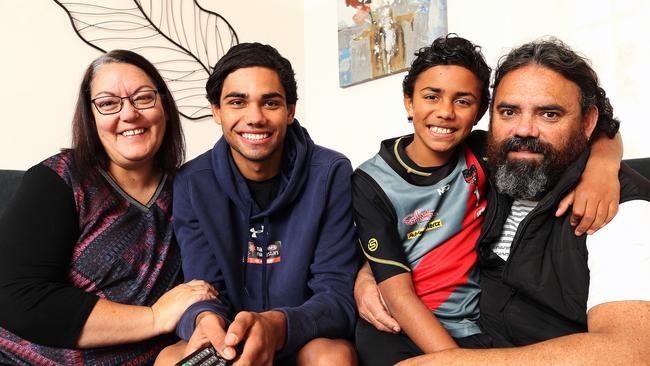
{"x": 88, "y": 150}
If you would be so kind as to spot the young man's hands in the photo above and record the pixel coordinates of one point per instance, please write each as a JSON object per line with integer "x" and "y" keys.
{"x": 261, "y": 334}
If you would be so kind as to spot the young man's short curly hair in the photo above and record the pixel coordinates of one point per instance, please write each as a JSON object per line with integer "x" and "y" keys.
{"x": 451, "y": 50}
{"x": 246, "y": 55}
{"x": 555, "y": 55}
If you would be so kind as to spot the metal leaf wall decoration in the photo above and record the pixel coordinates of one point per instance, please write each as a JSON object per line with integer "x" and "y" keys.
{"x": 181, "y": 38}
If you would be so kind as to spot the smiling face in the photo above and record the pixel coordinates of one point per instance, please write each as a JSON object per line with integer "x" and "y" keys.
{"x": 254, "y": 116}
{"x": 131, "y": 137}
{"x": 444, "y": 107}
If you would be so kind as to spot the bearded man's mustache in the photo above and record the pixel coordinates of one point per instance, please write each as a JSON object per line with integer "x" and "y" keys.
{"x": 526, "y": 144}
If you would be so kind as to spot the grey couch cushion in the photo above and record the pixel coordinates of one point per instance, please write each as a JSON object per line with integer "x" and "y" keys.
{"x": 640, "y": 165}
{"x": 9, "y": 182}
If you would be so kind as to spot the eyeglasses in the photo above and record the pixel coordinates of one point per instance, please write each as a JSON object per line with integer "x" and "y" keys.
{"x": 143, "y": 99}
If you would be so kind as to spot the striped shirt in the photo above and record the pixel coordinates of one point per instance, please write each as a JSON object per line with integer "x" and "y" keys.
{"x": 518, "y": 211}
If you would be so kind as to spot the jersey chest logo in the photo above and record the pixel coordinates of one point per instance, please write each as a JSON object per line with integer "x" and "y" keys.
{"x": 419, "y": 215}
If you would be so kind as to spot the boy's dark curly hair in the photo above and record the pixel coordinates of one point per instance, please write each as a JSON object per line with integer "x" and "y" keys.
{"x": 451, "y": 50}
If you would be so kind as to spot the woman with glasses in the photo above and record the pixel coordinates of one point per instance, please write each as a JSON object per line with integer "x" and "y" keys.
{"x": 89, "y": 268}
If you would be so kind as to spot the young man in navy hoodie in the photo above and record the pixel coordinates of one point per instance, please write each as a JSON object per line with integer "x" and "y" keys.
{"x": 266, "y": 217}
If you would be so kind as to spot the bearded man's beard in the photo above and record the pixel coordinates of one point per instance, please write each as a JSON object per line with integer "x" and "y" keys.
{"x": 530, "y": 179}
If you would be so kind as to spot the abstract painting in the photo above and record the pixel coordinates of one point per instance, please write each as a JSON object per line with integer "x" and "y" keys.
{"x": 380, "y": 37}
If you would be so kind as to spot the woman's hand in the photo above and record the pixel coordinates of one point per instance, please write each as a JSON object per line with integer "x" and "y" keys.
{"x": 167, "y": 311}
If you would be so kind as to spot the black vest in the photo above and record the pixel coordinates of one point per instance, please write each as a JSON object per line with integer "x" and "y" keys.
{"x": 541, "y": 291}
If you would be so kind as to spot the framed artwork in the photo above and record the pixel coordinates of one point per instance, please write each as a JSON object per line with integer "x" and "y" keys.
{"x": 379, "y": 37}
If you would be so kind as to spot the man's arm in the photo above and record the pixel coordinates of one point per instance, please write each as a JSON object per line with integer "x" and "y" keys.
{"x": 197, "y": 259}
{"x": 330, "y": 312}
{"x": 619, "y": 334}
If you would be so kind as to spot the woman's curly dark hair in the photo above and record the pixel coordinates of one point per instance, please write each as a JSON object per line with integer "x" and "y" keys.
{"x": 555, "y": 55}
{"x": 451, "y": 50}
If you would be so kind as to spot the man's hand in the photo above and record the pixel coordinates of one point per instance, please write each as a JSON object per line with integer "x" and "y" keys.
{"x": 210, "y": 329}
{"x": 370, "y": 304}
{"x": 262, "y": 334}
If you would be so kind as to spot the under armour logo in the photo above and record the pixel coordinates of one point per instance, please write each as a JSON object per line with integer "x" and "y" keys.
{"x": 255, "y": 232}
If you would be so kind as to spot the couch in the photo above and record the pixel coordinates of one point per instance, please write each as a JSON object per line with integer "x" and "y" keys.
{"x": 640, "y": 165}
{"x": 9, "y": 182}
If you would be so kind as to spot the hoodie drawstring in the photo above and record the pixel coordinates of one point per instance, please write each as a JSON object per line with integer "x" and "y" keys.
{"x": 264, "y": 241}
{"x": 265, "y": 245}
{"x": 245, "y": 255}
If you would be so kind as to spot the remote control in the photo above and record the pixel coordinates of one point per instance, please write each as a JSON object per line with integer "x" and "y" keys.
{"x": 206, "y": 356}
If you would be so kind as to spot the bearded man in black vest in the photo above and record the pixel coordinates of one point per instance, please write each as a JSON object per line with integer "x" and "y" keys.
{"x": 549, "y": 296}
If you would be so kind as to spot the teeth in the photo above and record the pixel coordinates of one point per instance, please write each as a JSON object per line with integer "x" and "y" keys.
{"x": 137, "y": 131}
{"x": 255, "y": 136}
{"x": 436, "y": 129}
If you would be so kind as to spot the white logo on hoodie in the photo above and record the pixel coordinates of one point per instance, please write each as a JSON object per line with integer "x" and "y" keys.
{"x": 255, "y": 232}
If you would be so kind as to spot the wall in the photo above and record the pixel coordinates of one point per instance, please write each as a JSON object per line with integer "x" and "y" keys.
{"x": 43, "y": 61}
{"x": 355, "y": 119}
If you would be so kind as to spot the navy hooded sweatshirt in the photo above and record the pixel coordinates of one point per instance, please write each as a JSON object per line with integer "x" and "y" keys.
{"x": 298, "y": 256}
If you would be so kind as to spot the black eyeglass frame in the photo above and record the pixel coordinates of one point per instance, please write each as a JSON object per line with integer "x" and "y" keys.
{"x": 155, "y": 95}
